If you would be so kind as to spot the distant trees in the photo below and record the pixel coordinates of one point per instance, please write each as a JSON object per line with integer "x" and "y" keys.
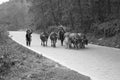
{"x": 15, "y": 14}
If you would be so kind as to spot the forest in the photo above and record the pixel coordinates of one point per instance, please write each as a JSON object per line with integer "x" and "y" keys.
{"x": 100, "y": 19}
{"x": 82, "y": 14}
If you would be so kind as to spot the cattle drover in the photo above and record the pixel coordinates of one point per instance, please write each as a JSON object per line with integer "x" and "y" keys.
{"x": 61, "y": 36}
{"x": 28, "y": 37}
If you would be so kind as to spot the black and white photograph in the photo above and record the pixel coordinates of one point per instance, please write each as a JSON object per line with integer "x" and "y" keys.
{"x": 59, "y": 39}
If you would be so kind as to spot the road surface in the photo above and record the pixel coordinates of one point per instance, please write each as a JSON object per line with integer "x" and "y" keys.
{"x": 97, "y": 62}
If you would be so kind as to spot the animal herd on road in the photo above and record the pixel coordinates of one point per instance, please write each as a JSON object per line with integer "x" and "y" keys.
{"x": 70, "y": 40}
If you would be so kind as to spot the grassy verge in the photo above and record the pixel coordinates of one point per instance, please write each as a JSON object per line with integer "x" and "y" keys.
{"x": 20, "y": 63}
{"x": 106, "y": 33}
{"x": 103, "y": 41}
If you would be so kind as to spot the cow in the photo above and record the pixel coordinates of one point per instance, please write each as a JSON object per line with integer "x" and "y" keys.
{"x": 67, "y": 40}
{"x": 44, "y": 38}
{"x": 53, "y": 38}
{"x": 74, "y": 39}
{"x": 77, "y": 40}
{"x": 82, "y": 40}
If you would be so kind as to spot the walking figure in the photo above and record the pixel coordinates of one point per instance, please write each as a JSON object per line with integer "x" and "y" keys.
{"x": 28, "y": 37}
{"x": 61, "y": 36}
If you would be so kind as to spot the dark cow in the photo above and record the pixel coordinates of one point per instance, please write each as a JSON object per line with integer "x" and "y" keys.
{"x": 82, "y": 40}
{"x": 28, "y": 37}
{"x": 44, "y": 38}
{"x": 53, "y": 38}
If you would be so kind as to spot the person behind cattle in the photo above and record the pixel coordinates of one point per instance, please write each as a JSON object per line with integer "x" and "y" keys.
{"x": 61, "y": 36}
{"x": 28, "y": 37}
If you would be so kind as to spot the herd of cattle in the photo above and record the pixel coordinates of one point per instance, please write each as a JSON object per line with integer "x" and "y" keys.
{"x": 71, "y": 40}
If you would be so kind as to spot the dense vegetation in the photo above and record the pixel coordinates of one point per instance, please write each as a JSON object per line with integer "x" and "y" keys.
{"x": 74, "y": 13}
{"x": 99, "y": 18}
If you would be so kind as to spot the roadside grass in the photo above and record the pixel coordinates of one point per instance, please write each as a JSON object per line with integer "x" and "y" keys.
{"x": 103, "y": 41}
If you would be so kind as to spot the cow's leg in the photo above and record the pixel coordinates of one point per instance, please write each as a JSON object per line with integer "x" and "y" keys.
{"x": 29, "y": 43}
{"x": 51, "y": 42}
{"x": 86, "y": 41}
{"x": 54, "y": 43}
{"x": 41, "y": 42}
{"x": 70, "y": 44}
{"x": 77, "y": 44}
{"x": 66, "y": 44}
{"x": 46, "y": 43}
{"x": 80, "y": 44}
{"x": 83, "y": 45}
{"x": 74, "y": 45}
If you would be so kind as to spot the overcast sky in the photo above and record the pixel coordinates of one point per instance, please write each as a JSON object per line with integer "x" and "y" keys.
{"x": 1, "y": 1}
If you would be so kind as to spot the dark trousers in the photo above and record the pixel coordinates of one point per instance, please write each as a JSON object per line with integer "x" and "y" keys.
{"x": 28, "y": 42}
{"x": 62, "y": 42}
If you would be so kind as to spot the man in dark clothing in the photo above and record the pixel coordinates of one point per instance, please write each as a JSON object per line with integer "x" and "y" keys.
{"x": 28, "y": 37}
{"x": 61, "y": 36}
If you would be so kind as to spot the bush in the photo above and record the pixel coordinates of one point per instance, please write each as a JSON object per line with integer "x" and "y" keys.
{"x": 5, "y": 60}
{"x": 3, "y": 34}
{"x": 107, "y": 29}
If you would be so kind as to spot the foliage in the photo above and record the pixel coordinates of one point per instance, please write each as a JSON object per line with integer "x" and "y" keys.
{"x": 79, "y": 15}
{"x": 107, "y": 29}
{"x": 3, "y": 34}
{"x": 14, "y": 14}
